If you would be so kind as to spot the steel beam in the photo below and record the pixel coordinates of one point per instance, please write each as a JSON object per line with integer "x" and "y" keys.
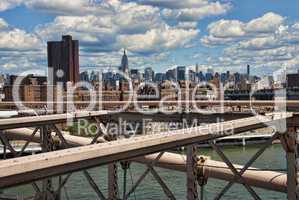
{"x": 47, "y": 192}
{"x": 113, "y": 192}
{"x": 192, "y": 193}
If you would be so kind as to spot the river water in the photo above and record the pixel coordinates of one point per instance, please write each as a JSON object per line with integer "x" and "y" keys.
{"x": 77, "y": 187}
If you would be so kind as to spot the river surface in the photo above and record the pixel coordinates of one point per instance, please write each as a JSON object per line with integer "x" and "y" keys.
{"x": 78, "y": 188}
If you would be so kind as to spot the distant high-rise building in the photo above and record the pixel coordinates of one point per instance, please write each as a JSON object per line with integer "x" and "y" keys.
{"x": 209, "y": 76}
{"x": 171, "y": 74}
{"x": 197, "y": 79}
{"x": 227, "y": 74}
{"x": 223, "y": 77}
{"x": 149, "y": 74}
{"x": 293, "y": 80}
{"x": 84, "y": 76}
{"x": 201, "y": 76}
{"x": 191, "y": 76}
{"x": 93, "y": 76}
{"x": 63, "y": 60}
{"x": 181, "y": 73}
{"x": 124, "y": 68}
{"x": 248, "y": 71}
{"x": 160, "y": 77}
{"x": 210, "y": 71}
{"x": 135, "y": 74}
{"x": 197, "y": 68}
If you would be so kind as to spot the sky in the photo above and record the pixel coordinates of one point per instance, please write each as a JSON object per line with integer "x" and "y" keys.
{"x": 219, "y": 34}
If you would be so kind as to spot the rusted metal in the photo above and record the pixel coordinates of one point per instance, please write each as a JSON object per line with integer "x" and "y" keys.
{"x": 289, "y": 143}
{"x": 192, "y": 173}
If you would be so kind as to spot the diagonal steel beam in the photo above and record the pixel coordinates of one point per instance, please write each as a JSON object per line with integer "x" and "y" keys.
{"x": 7, "y": 144}
{"x": 4, "y": 148}
{"x": 143, "y": 176}
{"x": 249, "y": 163}
{"x": 62, "y": 184}
{"x": 235, "y": 171}
{"x": 28, "y": 142}
{"x": 165, "y": 188}
{"x": 94, "y": 185}
{"x": 35, "y": 187}
{"x": 101, "y": 131}
{"x": 60, "y": 135}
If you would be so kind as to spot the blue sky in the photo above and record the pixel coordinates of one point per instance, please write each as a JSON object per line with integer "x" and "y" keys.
{"x": 223, "y": 35}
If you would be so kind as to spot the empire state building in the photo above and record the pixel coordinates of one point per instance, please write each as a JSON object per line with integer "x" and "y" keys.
{"x": 124, "y": 64}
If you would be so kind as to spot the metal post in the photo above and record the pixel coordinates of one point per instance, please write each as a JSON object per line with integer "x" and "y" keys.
{"x": 47, "y": 146}
{"x": 125, "y": 166}
{"x": 112, "y": 182}
{"x": 288, "y": 141}
{"x": 4, "y": 151}
{"x": 192, "y": 173}
{"x": 202, "y": 180}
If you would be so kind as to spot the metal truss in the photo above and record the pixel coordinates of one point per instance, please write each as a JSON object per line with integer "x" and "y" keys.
{"x": 194, "y": 177}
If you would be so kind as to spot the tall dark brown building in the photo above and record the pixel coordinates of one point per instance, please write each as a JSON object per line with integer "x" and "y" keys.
{"x": 64, "y": 55}
{"x": 293, "y": 81}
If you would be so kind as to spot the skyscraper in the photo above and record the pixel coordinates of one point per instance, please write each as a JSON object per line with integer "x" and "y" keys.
{"x": 248, "y": 71}
{"x": 181, "y": 73}
{"x": 63, "y": 60}
{"x": 149, "y": 74}
{"x": 124, "y": 64}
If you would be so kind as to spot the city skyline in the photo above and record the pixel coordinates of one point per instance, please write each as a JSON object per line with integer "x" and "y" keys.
{"x": 223, "y": 35}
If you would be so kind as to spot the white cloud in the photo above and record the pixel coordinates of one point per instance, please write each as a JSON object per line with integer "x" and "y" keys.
{"x": 296, "y": 26}
{"x": 9, "y": 4}
{"x": 227, "y": 29}
{"x": 65, "y": 7}
{"x": 19, "y": 50}
{"x": 187, "y": 25}
{"x": 234, "y": 30}
{"x": 16, "y": 39}
{"x": 3, "y": 24}
{"x": 197, "y": 13}
{"x": 260, "y": 43}
{"x": 265, "y": 24}
{"x": 267, "y": 42}
{"x": 174, "y": 4}
{"x": 158, "y": 40}
{"x": 223, "y": 32}
{"x": 129, "y": 24}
